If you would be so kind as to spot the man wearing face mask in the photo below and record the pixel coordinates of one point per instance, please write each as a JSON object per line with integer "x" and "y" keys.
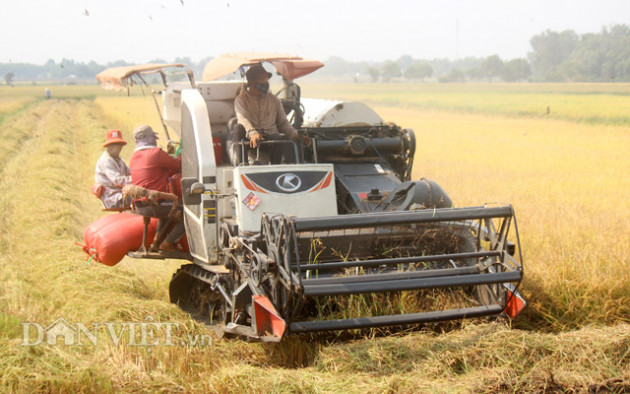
{"x": 261, "y": 117}
{"x": 111, "y": 172}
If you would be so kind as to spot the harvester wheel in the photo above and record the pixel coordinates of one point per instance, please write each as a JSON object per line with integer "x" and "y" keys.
{"x": 180, "y": 288}
{"x": 258, "y": 267}
{"x": 217, "y": 312}
{"x": 197, "y": 297}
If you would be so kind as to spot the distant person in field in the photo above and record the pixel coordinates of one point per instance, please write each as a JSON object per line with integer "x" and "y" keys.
{"x": 151, "y": 168}
{"x": 111, "y": 172}
{"x": 261, "y": 117}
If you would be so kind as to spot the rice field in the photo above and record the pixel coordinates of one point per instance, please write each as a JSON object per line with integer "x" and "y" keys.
{"x": 565, "y": 173}
{"x": 589, "y": 103}
{"x": 9, "y": 104}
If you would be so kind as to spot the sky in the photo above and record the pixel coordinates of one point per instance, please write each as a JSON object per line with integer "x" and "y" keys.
{"x": 137, "y": 31}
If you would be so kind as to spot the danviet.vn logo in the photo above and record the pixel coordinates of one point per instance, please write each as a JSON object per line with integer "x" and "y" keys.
{"x": 131, "y": 333}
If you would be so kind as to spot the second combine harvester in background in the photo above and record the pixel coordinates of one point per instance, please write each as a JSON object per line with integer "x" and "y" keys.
{"x": 342, "y": 239}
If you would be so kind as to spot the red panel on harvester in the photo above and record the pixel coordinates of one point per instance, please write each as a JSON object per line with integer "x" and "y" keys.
{"x": 268, "y": 320}
{"x": 515, "y": 304}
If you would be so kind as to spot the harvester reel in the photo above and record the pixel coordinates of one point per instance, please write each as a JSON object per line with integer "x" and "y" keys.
{"x": 280, "y": 239}
{"x": 278, "y": 235}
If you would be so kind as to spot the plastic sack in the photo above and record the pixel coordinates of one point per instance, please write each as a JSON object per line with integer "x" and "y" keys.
{"x": 108, "y": 239}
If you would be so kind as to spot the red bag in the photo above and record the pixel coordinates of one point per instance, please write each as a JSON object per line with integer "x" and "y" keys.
{"x": 108, "y": 239}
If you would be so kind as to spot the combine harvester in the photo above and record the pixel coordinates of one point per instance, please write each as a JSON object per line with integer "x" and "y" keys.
{"x": 344, "y": 239}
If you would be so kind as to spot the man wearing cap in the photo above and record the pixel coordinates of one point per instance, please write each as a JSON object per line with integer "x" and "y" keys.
{"x": 111, "y": 172}
{"x": 261, "y": 117}
{"x": 151, "y": 169}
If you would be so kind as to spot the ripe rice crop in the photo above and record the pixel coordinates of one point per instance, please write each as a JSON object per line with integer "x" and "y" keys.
{"x": 568, "y": 186}
{"x": 590, "y": 103}
{"x": 566, "y": 178}
{"x": 9, "y": 104}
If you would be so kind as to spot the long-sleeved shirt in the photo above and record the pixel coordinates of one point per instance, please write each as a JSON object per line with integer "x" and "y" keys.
{"x": 151, "y": 168}
{"x": 263, "y": 114}
{"x": 111, "y": 173}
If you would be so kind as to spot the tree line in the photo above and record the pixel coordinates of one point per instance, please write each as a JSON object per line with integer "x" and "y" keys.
{"x": 554, "y": 57}
{"x": 591, "y": 57}
{"x": 69, "y": 71}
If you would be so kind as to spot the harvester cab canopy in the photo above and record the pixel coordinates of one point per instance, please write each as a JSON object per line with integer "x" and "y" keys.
{"x": 121, "y": 78}
{"x": 289, "y": 66}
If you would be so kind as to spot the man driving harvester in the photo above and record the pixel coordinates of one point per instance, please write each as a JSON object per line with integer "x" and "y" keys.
{"x": 261, "y": 117}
